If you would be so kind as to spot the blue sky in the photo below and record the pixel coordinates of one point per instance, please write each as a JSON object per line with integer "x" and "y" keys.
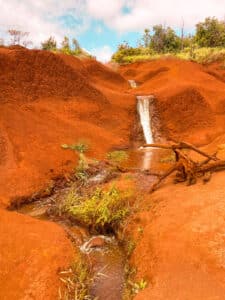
{"x": 100, "y": 35}
{"x": 100, "y": 25}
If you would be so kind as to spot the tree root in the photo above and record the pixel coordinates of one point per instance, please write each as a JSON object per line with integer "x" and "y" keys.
{"x": 187, "y": 169}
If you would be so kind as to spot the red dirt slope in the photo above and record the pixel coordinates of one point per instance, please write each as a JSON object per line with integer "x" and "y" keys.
{"x": 182, "y": 245}
{"x": 47, "y": 100}
{"x": 32, "y": 253}
{"x": 189, "y": 97}
{"x": 180, "y": 248}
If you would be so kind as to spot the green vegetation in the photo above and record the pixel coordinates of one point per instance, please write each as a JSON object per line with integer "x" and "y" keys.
{"x": 129, "y": 247}
{"x": 101, "y": 211}
{"x": 49, "y": 44}
{"x": 207, "y": 45}
{"x": 164, "y": 40}
{"x": 76, "y": 281}
{"x": 138, "y": 286}
{"x": 80, "y": 147}
{"x": 210, "y": 33}
{"x": 132, "y": 287}
{"x": 82, "y": 166}
{"x": 67, "y": 47}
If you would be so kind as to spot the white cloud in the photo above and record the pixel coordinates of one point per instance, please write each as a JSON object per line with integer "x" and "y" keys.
{"x": 146, "y": 13}
{"x": 102, "y": 54}
{"x": 104, "y": 9}
{"x": 39, "y": 17}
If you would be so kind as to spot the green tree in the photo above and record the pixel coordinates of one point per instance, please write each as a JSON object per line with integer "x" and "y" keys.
{"x": 210, "y": 33}
{"x": 49, "y": 44}
{"x": 76, "y": 45}
{"x": 146, "y": 38}
{"x": 164, "y": 39}
{"x": 66, "y": 43}
{"x": 188, "y": 41}
{"x": 124, "y": 50}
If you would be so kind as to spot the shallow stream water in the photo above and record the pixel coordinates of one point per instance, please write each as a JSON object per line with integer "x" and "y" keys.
{"x": 106, "y": 262}
{"x": 107, "y": 259}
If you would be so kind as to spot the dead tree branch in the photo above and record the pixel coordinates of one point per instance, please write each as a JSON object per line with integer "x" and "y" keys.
{"x": 188, "y": 170}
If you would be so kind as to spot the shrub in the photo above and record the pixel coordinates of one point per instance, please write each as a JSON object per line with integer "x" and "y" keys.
{"x": 49, "y": 44}
{"x": 164, "y": 40}
{"x": 102, "y": 211}
{"x": 80, "y": 147}
{"x": 210, "y": 33}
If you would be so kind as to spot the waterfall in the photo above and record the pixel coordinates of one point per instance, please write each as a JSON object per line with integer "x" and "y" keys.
{"x": 143, "y": 110}
{"x": 132, "y": 83}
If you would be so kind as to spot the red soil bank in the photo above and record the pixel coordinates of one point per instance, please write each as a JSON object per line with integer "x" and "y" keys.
{"x": 182, "y": 245}
{"x": 47, "y": 100}
{"x": 190, "y": 97}
{"x": 31, "y": 256}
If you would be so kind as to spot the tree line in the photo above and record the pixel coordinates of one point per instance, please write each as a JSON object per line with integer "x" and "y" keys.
{"x": 161, "y": 39}
{"x": 21, "y": 38}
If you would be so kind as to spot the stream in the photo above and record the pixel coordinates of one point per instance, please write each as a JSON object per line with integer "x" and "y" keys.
{"x": 104, "y": 255}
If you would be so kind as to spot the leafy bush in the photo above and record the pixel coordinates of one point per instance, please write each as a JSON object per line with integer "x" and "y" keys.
{"x": 200, "y": 55}
{"x": 210, "y": 33}
{"x": 49, "y": 44}
{"x": 208, "y": 55}
{"x": 102, "y": 211}
{"x": 163, "y": 41}
{"x": 125, "y": 50}
{"x": 80, "y": 147}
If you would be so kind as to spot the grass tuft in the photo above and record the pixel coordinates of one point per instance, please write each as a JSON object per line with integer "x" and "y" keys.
{"x": 102, "y": 211}
{"x": 76, "y": 281}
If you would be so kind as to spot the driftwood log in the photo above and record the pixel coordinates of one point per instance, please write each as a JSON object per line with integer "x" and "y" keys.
{"x": 186, "y": 169}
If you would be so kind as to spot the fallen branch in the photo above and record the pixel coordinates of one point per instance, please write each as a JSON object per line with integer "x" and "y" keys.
{"x": 187, "y": 169}
{"x": 182, "y": 146}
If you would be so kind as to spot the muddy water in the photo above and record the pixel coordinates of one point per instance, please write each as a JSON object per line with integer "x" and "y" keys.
{"x": 156, "y": 160}
{"x": 108, "y": 269}
{"x": 106, "y": 261}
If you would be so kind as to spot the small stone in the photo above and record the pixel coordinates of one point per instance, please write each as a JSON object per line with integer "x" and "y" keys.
{"x": 97, "y": 241}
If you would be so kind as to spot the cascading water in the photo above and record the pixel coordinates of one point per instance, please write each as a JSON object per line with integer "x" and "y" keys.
{"x": 143, "y": 107}
{"x": 143, "y": 110}
{"x": 132, "y": 83}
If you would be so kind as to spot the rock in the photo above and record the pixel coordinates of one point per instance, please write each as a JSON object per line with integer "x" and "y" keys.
{"x": 39, "y": 212}
{"x": 97, "y": 241}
